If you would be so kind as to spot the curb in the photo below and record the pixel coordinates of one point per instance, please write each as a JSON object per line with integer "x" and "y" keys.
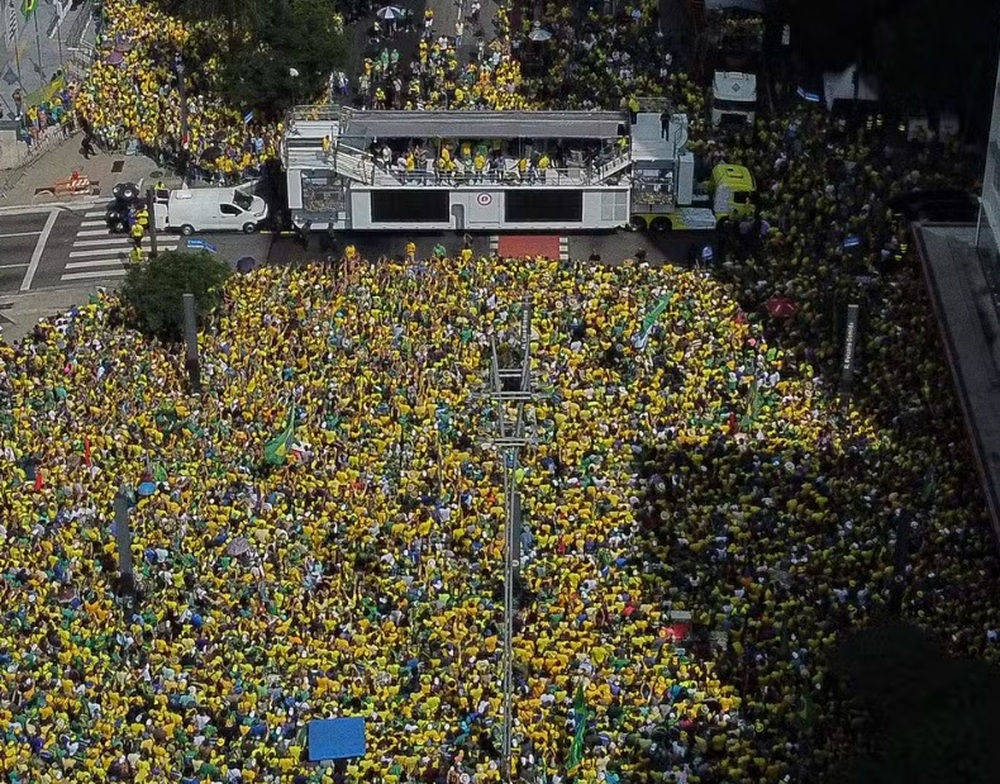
{"x": 78, "y": 204}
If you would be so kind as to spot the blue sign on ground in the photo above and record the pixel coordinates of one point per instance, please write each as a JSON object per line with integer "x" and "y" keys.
{"x": 196, "y": 243}
{"x": 332, "y": 739}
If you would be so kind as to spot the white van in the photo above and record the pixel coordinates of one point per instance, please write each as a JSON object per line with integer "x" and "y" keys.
{"x": 209, "y": 209}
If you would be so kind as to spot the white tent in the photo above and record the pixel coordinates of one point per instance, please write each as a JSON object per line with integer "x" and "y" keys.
{"x": 848, "y": 86}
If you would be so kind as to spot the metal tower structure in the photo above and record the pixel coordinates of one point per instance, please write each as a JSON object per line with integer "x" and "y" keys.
{"x": 512, "y": 390}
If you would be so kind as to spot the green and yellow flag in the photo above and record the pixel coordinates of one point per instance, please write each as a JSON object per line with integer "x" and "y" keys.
{"x": 580, "y": 722}
{"x": 28, "y": 7}
{"x": 276, "y": 450}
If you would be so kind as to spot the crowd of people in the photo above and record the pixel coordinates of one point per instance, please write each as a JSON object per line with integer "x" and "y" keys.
{"x": 368, "y": 578}
{"x": 49, "y": 107}
{"x": 419, "y": 161}
{"x": 694, "y": 462}
{"x": 130, "y": 98}
{"x": 439, "y": 75}
{"x": 595, "y": 61}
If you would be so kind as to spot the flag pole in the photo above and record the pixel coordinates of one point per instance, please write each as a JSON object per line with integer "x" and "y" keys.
{"x": 38, "y": 41}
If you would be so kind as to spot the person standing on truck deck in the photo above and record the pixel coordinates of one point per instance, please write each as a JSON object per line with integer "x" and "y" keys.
{"x": 633, "y": 109}
{"x": 411, "y": 250}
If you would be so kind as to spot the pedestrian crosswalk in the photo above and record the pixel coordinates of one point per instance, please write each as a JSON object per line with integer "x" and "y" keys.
{"x": 98, "y": 254}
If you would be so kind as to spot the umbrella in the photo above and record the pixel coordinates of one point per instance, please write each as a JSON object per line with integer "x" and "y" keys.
{"x": 390, "y": 12}
{"x": 246, "y": 264}
{"x": 212, "y": 153}
{"x": 539, "y": 33}
{"x": 781, "y": 307}
{"x": 115, "y": 58}
{"x": 238, "y": 546}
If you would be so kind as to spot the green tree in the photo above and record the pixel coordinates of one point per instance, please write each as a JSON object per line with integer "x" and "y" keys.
{"x": 273, "y": 53}
{"x": 154, "y": 290}
{"x": 289, "y": 60}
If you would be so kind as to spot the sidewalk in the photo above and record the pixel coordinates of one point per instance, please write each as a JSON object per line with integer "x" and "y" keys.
{"x": 28, "y": 185}
{"x": 57, "y": 23}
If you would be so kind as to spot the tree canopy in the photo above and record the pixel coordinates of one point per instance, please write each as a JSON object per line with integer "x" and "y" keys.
{"x": 272, "y": 53}
{"x": 154, "y": 290}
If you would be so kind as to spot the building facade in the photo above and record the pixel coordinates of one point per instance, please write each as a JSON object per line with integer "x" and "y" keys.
{"x": 988, "y": 230}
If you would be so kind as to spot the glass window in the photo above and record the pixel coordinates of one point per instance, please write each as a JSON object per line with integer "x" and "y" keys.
{"x": 242, "y": 200}
{"x": 229, "y": 209}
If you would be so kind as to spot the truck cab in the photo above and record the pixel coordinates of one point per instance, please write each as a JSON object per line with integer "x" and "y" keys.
{"x": 733, "y": 191}
{"x": 734, "y": 98}
{"x": 665, "y": 194}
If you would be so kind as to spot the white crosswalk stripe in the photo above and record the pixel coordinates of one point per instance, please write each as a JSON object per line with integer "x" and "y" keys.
{"x": 116, "y": 272}
{"x": 94, "y": 214}
{"x": 98, "y": 254}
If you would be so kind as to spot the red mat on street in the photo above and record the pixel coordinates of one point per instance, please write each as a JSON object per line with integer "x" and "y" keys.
{"x": 513, "y": 245}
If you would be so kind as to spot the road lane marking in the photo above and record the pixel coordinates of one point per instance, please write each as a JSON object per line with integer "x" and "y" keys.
{"x": 92, "y": 214}
{"x": 105, "y": 232}
{"x": 82, "y": 254}
{"x": 74, "y": 265}
{"x": 94, "y": 223}
{"x": 36, "y": 256}
{"x": 104, "y": 241}
{"x": 21, "y": 234}
{"x": 111, "y": 273}
{"x": 13, "y": 266}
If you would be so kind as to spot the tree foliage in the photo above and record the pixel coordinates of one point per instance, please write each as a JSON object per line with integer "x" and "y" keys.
{"x": 933, "y": 713}
{"x": 262, "y": 45}
{"x": 154, "y": 290}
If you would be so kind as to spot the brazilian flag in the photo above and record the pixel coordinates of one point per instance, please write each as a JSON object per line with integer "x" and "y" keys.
{"x": 276, "y": 450}
{"x": 28, "y": 7}
{"x": 580, "y": 716}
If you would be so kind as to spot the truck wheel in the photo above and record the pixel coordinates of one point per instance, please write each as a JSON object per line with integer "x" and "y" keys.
{"x": 661, "y": 224}
{"x": 249, "y": 228}
{"x": 187, "y": 230}
{"x": 637, "y": 223}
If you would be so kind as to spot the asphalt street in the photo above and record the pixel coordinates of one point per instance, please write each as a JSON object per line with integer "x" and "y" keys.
{"x": 18, "y": 237}
{"x": 78, "y": 250}
{"x": 672, "y": 247}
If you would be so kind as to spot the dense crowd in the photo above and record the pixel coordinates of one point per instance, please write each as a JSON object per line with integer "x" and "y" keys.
{"x": 707, "y": 467}
{"x": 130, "y": 98}
{"x": 595, "y": 61}
{"x": 440, "y": 75}
{"x": 371, "y": 582}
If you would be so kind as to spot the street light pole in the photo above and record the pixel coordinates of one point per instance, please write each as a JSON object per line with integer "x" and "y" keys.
{"x": 512, "y": 389}
{"x": 179, "y": 64}
{"x": 151, "y": 209}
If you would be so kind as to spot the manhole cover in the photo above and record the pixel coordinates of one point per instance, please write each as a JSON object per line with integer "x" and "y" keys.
{"x": 117, "y": 166}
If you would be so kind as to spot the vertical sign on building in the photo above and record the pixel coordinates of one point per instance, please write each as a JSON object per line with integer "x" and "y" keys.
{"x": 850, "y": 342}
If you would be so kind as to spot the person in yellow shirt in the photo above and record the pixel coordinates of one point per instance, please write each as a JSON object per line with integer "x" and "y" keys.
{"x": 479, "y": 167}
{"x": 411, "y": 250}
